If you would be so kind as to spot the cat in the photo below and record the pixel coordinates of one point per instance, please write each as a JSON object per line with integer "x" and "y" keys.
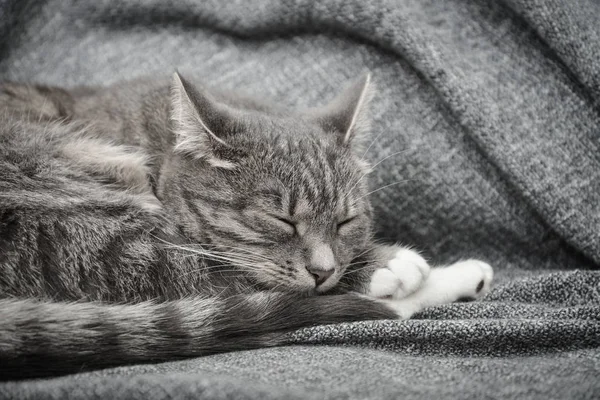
{"x": 155, "y": 220}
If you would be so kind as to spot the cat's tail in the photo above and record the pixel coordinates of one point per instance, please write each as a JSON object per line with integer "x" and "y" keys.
{"x": 40, "y": 339}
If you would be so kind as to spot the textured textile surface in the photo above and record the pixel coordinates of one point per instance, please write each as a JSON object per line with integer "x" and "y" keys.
{"x": 489, "y": 114}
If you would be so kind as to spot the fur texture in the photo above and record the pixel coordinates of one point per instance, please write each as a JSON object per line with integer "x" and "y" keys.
{"x": 155, "y": 221}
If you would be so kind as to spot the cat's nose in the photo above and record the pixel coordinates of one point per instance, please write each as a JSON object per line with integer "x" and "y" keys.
{"x": 320, "y": 275}
{"x": 322, "y": 262}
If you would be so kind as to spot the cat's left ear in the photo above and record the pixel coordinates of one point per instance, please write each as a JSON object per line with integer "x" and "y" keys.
{"x": 347, "y": 115}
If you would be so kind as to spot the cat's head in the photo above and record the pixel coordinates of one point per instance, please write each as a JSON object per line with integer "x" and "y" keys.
{"x": 281, "y": 197}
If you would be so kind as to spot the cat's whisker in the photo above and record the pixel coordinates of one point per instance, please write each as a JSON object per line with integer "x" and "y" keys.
{"x": 240, "y": 265}
{"x": 384, "y": 187}
{"x": 214, "y": 257}
{"x": 372, "y": 168}
{"x": 371, "y": 145}
{"x": 205, "y": 245}
{"x": 211, "y": 268}
{"x": 355, "y": 270}
{"x": 370, "y": 248}
{"x": 368, "y": 264}
{"x": 222, "y": 256}
{"x": 360, "y": 262}
{"x": 238, "y": 260}
{"x": 204, "y": 272}
{"x": 388, "y": 157}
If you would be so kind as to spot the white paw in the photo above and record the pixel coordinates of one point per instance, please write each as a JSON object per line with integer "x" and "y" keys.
{"x": 403, "y": 275}
{"x": 470, "y": 279}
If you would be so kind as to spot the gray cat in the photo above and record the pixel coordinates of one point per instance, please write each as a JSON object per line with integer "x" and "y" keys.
{"x": 151, "y": 221}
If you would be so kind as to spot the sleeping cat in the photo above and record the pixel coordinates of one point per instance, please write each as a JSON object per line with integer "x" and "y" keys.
{"x": 153, "y": 221}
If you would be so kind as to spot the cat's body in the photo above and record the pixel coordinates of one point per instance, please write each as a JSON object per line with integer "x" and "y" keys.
{"x": 189, "y": 223}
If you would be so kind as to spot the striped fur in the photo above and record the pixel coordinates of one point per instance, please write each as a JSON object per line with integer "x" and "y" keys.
{"x": 151, "y": 222}
{"x": 38, "y": 339}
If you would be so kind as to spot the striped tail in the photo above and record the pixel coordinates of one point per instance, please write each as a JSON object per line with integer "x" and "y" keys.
{"x": 40, "y": 339}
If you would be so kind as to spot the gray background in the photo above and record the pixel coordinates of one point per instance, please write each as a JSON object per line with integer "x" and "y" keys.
{"x": 494, "y": 110}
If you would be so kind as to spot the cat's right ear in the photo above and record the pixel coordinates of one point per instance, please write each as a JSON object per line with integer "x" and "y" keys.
{"x": 347, "y": 115}
{"x": 197, "y": 123}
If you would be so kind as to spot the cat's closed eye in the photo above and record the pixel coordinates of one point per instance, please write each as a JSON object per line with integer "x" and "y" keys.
{"x": 344, "y": 224}
{"x": 285, "y": 224}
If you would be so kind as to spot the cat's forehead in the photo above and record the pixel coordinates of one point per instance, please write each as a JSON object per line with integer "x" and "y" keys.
{"x": 310, "y": 200}
{"x": 309, "y": 178}
{"x": 278, "y": 128}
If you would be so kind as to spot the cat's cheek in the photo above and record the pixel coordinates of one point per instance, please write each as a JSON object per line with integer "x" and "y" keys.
{"x": 347, "y": 230}
{"x": 352, "y": 238}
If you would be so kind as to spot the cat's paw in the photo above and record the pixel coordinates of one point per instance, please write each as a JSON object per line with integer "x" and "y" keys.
{"x": 471, "y": 279}
{"x": 402, "y": 275}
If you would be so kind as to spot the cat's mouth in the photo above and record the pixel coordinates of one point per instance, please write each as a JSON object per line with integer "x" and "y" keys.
{"x": 328, "y": 284}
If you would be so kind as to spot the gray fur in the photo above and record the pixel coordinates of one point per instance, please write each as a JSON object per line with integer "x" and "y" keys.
{"x": 170, "y": 209}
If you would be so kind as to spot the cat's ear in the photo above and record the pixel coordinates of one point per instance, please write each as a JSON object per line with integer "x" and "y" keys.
{"x": 198, "y": 121}
{"x": 347, "y": 115}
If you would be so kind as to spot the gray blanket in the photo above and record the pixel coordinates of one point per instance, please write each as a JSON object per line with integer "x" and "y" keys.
{"x": 487, "y": 130}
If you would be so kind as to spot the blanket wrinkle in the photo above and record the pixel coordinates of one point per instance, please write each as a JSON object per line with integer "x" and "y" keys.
{"x": 494, "y": 110}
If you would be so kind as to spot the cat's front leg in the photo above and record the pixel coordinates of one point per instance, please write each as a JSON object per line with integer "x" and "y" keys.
{"x": 464, "y": 280}
{"x": 403, "y": 277}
